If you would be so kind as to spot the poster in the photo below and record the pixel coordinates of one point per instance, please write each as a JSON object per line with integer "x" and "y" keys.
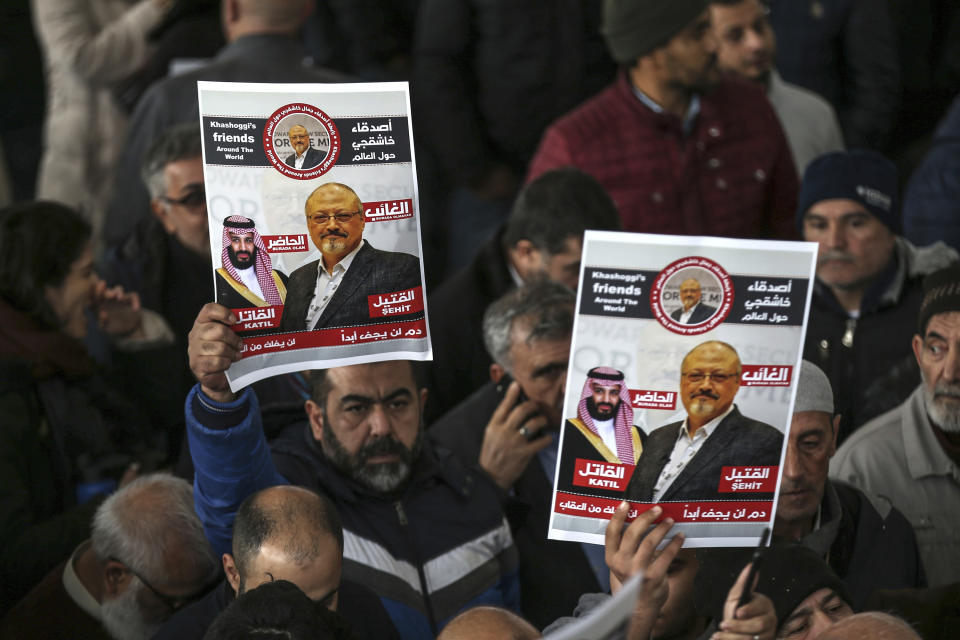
{"x": 314, "y": 224}
{"x": 681, "y": 382}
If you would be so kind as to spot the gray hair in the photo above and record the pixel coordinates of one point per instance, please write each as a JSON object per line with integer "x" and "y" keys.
{"x": 142, "y": 522}
{"x": 546, "y": 306}
{"x": 179, "y": 142}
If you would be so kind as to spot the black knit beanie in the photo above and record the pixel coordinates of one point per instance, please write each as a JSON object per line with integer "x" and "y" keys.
{"x": 941, "y": 294}
{"x": 634, "y": 28}
{"x": 789, "y": 573}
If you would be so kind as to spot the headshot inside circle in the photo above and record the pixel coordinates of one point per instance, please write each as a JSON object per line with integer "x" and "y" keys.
{"x": 301, "y": 141}
{"x": 692, "y": 296}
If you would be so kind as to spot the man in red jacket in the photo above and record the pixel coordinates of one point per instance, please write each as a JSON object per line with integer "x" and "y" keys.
{"x": 679, "y": 148}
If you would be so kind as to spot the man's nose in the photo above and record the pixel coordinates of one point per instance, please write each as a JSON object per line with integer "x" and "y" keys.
{"x": 836, "y": 236}
{"x": 791, "y": 463}
{"x": 752, "y": 39}
{"x": 819, "y": 621}
{"x": 951, "y": 364}
{"x": 378, "y": 422}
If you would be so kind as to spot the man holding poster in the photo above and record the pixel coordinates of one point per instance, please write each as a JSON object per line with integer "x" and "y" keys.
{"x": 685, "y": 460}
{"x": 335, "y": 290}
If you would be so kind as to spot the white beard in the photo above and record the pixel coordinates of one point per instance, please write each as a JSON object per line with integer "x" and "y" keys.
{"x": 122, "y": 617}
{"x": 941, "y": 413}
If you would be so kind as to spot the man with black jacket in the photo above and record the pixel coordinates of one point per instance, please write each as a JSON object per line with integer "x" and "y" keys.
{"x": 509, "y": 428}
{"x": 867, "y": 293}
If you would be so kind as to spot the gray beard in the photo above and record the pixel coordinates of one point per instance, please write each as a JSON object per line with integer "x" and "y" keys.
{"x": 941, "y": 416}
{"x": 122, "y": 617}
{"x": 381, "y": 478}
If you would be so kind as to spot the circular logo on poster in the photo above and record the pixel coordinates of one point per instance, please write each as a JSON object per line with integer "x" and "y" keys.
{"x": 691, "y": 295}
{"x": 301, "y": 141}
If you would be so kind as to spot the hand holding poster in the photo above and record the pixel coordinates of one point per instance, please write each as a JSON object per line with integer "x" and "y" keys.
{"x": 313, "y": 213}
{"x": 681, "y": 383}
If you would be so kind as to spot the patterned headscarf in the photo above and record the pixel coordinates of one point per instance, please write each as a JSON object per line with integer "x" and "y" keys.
{"x": 263, "y": 266}
{"x": 623, "y": 419}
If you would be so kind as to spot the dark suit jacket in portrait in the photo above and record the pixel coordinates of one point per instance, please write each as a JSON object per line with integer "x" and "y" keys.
{"x": 312, "y": 159}
{"x": 737, "y": 441}
{"x": 701, "y": 313}
{"x": 372, "y": 272}
{"x": 553, "y": 573}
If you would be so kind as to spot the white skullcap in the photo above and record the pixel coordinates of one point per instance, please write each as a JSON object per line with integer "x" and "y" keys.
{"x": 813, "y": 390}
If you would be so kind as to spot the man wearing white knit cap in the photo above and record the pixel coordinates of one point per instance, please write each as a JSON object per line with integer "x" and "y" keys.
{"x": 867, "y": 542}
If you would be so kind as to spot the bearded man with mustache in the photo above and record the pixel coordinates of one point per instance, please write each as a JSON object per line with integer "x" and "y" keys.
{"x": 684, "y": 460}
{"x": 911, "y": 454}
{"x": 333, "y": 290}
{"x": 869, "y": 278}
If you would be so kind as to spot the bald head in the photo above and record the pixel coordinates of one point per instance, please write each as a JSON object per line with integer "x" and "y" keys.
{"x": 330, "y": 191}
{"x": 251, "y": 17}
{"x": 292, "y": 519}
{"x": 870, "y": 625}
{"x": 488, "y": 623}
{"x": 711, "y": 349}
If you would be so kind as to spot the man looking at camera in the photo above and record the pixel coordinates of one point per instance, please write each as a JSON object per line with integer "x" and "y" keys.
{"x": 333, "y": 290}
{"x": 910, "y": 453}
{"x": 247, "y": 278}
{"x": 304, "y": 156}
{"x": 684, "y": 460}
{"x": 423, "y": 531}
{"x": 692, "y": 311}
{"x": 604, "y": 421}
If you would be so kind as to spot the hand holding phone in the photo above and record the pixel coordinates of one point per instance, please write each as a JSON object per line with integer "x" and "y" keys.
{"x": 514, "y": 434}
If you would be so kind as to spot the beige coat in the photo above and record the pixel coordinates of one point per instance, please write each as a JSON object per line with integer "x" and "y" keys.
{"x": 88, "y": 45}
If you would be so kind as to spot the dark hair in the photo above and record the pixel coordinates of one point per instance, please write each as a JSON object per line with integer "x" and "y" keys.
{"x": 320, "y": 386}
{"x": 39, "y": 242}
{"x": 277, "y": 610}
{"x": 558, "y": 205}
{"x": 292, "y": 517}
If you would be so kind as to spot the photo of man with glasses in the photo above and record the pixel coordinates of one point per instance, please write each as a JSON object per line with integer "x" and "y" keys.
{"x": 333, "y": 291}
{"x": 685, "y": 460}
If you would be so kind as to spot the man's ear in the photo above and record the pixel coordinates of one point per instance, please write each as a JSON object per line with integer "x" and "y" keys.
{"x": 525, "y": 257}
{"x": 233, "y": 575}
{"x": 423, "y": 399}
{"x": 836, "y": 433}
{"x": 116, "y": 577}
{"x": 497, "y": 372}
{"x": 917, "y": 344}
{"x": 231, "y": 11}
{"x": 315, "y": 416}
{"x": 159, "y": 210}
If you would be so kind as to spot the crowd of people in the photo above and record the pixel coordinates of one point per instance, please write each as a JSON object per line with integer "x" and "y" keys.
{"x": 141, "y": 497}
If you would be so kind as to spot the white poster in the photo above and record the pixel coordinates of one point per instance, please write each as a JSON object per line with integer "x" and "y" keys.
{"x": 314, "y": 223}
{"x": 681, "y": 383}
